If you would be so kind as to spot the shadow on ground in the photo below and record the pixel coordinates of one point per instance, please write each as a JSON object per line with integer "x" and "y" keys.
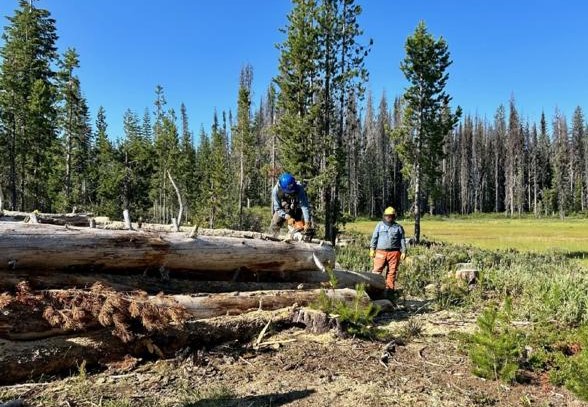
{"x": 273, "y": 399}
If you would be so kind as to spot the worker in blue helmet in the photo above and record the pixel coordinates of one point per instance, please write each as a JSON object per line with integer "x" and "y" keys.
{"x": 289, "y": 205}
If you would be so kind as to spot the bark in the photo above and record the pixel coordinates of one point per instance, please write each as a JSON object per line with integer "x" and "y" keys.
{"x": 48, "y": 247}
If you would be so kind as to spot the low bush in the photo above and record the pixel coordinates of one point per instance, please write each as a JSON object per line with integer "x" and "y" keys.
{"x": 496, "y": 347}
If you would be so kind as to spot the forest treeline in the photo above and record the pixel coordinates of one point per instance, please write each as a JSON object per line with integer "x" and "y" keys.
{"x": 315, "y": 120}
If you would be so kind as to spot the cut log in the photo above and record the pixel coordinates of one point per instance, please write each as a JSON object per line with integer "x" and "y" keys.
{"x": 153, "y": 283}
{"x": 21, "y": 361}
{"x": 73, "y": 219}
{"x": 49, "y": 247}
{"x": 25, "y": 319}
{"x": 238, "y": 303}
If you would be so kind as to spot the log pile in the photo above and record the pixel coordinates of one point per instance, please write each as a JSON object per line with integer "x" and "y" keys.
{"x": 108, "y": 293}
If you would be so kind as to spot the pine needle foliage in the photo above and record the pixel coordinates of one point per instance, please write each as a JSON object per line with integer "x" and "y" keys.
{"x": 496, "y": 347}
{"x": 130, "y": 315}
{"x": 356, "y": 318}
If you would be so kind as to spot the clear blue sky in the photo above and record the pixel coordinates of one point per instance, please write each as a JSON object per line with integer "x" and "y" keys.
{"x": 534, "y": 50}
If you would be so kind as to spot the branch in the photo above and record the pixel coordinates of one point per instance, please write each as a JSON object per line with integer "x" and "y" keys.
{"x": 179, "y": 201}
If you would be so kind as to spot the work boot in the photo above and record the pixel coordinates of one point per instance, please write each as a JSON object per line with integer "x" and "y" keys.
{"x": 391, "y": 294}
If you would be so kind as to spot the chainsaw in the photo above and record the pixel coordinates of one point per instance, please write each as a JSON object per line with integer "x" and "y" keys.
{"x": 297, "y": 232}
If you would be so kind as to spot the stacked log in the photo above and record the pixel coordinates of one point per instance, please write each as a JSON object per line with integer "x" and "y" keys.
{"x": 64, "y": 282}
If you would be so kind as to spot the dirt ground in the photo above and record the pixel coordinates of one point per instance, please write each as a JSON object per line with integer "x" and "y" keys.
{"x": 301, "y": 369}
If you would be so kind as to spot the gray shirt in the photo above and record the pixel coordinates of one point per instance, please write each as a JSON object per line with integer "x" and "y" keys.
{"x": 299, "y": 198}
{"x": 388, "y": 237}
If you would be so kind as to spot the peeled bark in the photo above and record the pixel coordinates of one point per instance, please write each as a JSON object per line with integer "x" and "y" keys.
{"x": 48, "y": 247}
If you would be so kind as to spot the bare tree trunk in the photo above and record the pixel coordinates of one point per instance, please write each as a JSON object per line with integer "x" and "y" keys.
{"x": 179, "y": 219}
{"x": 127, "y": 219}
{"x": 48, "y": 247}
{"x": 417, "y": 198}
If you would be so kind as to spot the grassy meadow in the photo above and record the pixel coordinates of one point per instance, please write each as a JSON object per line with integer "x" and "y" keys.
{"x": 568, "y": 237}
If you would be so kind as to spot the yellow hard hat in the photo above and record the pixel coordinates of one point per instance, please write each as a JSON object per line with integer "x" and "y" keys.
{"x": 389, "y": 211}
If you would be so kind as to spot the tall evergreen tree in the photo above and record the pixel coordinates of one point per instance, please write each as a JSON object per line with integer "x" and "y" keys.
{"x": 428, "y": 118}
{"x": 243, "y": 148}
{"x": 136, "y": 154}
{"x": 220, "y": 191}
{"x": 28, "y": 106}
{"x": 298, "y": 80}
{"x": 109, "y": 171}
{"x": 187, "y": 165}
{"x": 561, "y": 167}
{"x": 76, "y": 134}
{"x": 577, "y": 161}
{"x": 499, "y": 159}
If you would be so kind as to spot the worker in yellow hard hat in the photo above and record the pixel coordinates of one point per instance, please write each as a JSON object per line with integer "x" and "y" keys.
{"x": 388, "y": 247}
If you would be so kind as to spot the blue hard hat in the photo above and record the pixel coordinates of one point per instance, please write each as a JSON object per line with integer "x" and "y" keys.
{"x": 287, "y": 182}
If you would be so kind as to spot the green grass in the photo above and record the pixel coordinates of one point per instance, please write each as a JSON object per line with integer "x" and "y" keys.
{"x": 568, "y": 237}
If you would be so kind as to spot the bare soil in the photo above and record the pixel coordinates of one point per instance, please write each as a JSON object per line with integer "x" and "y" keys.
{"x": 300, "y": 369}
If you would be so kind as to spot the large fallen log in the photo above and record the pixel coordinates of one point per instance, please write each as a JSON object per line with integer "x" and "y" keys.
{"x": 33, "y": 315}
{"x": 73, "y": 219}
{"x": 26, "y": 360}
{"x": 48, "y": 247}
{"x": 154, "y": 283}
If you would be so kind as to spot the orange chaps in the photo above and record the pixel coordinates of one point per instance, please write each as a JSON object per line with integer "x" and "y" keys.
{"x": 390, "y": 259}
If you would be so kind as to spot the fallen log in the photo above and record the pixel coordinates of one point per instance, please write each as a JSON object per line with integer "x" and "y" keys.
{"x": 173, "y": 283}
{"x": 26, "y": 360}
{"x": 48, "y": 247}
{"x": 32, "y": 315}
{"x": 73, "y": 219}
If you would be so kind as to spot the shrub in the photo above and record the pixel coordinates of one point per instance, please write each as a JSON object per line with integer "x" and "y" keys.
{"x": 356, "y": 318}
{"x": 495, "y": 347}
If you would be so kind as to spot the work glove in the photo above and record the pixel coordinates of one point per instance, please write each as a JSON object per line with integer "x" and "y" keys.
{"x": 402, "y": 256}
{"x": 287, "y": 217}
{"x": 372, "y": 253}
{"x": 291, "y": 221}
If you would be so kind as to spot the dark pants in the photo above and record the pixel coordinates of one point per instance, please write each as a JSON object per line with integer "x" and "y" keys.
{"x": 278, "y": 221}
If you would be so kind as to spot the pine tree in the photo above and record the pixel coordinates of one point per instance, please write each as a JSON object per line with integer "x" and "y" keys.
{"x": 27, "y": 106}
{"x": 109, "y": 171}
{"x": 544, "y": 164}
{"x": 561, "y": 167}
{"x": 136, "y": 154}
{"x": 76, "y": 134}
{"x": 465, "y": 178}
{"x": 298, "y": 80}
{"x": 243, "y": 148}
{"x": 370, "y": 165}
{"x": 499, "y": 159}
{"x": 219, "y": 194}
{"x": 428, "y": 119}
{"x": 187, "y": 164}
{"x": 577, "y": 160}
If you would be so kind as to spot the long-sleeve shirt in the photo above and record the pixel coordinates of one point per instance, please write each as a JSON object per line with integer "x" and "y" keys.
{"x": 388, "y": 237}
{"x": 298, "y": 199}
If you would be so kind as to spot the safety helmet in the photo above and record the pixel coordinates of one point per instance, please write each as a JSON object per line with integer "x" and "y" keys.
{"x": 287, "y": 182}
{"x": 389, "y": 211}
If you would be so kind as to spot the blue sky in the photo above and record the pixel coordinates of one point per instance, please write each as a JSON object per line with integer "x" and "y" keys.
{"x": 534, "y": 50}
